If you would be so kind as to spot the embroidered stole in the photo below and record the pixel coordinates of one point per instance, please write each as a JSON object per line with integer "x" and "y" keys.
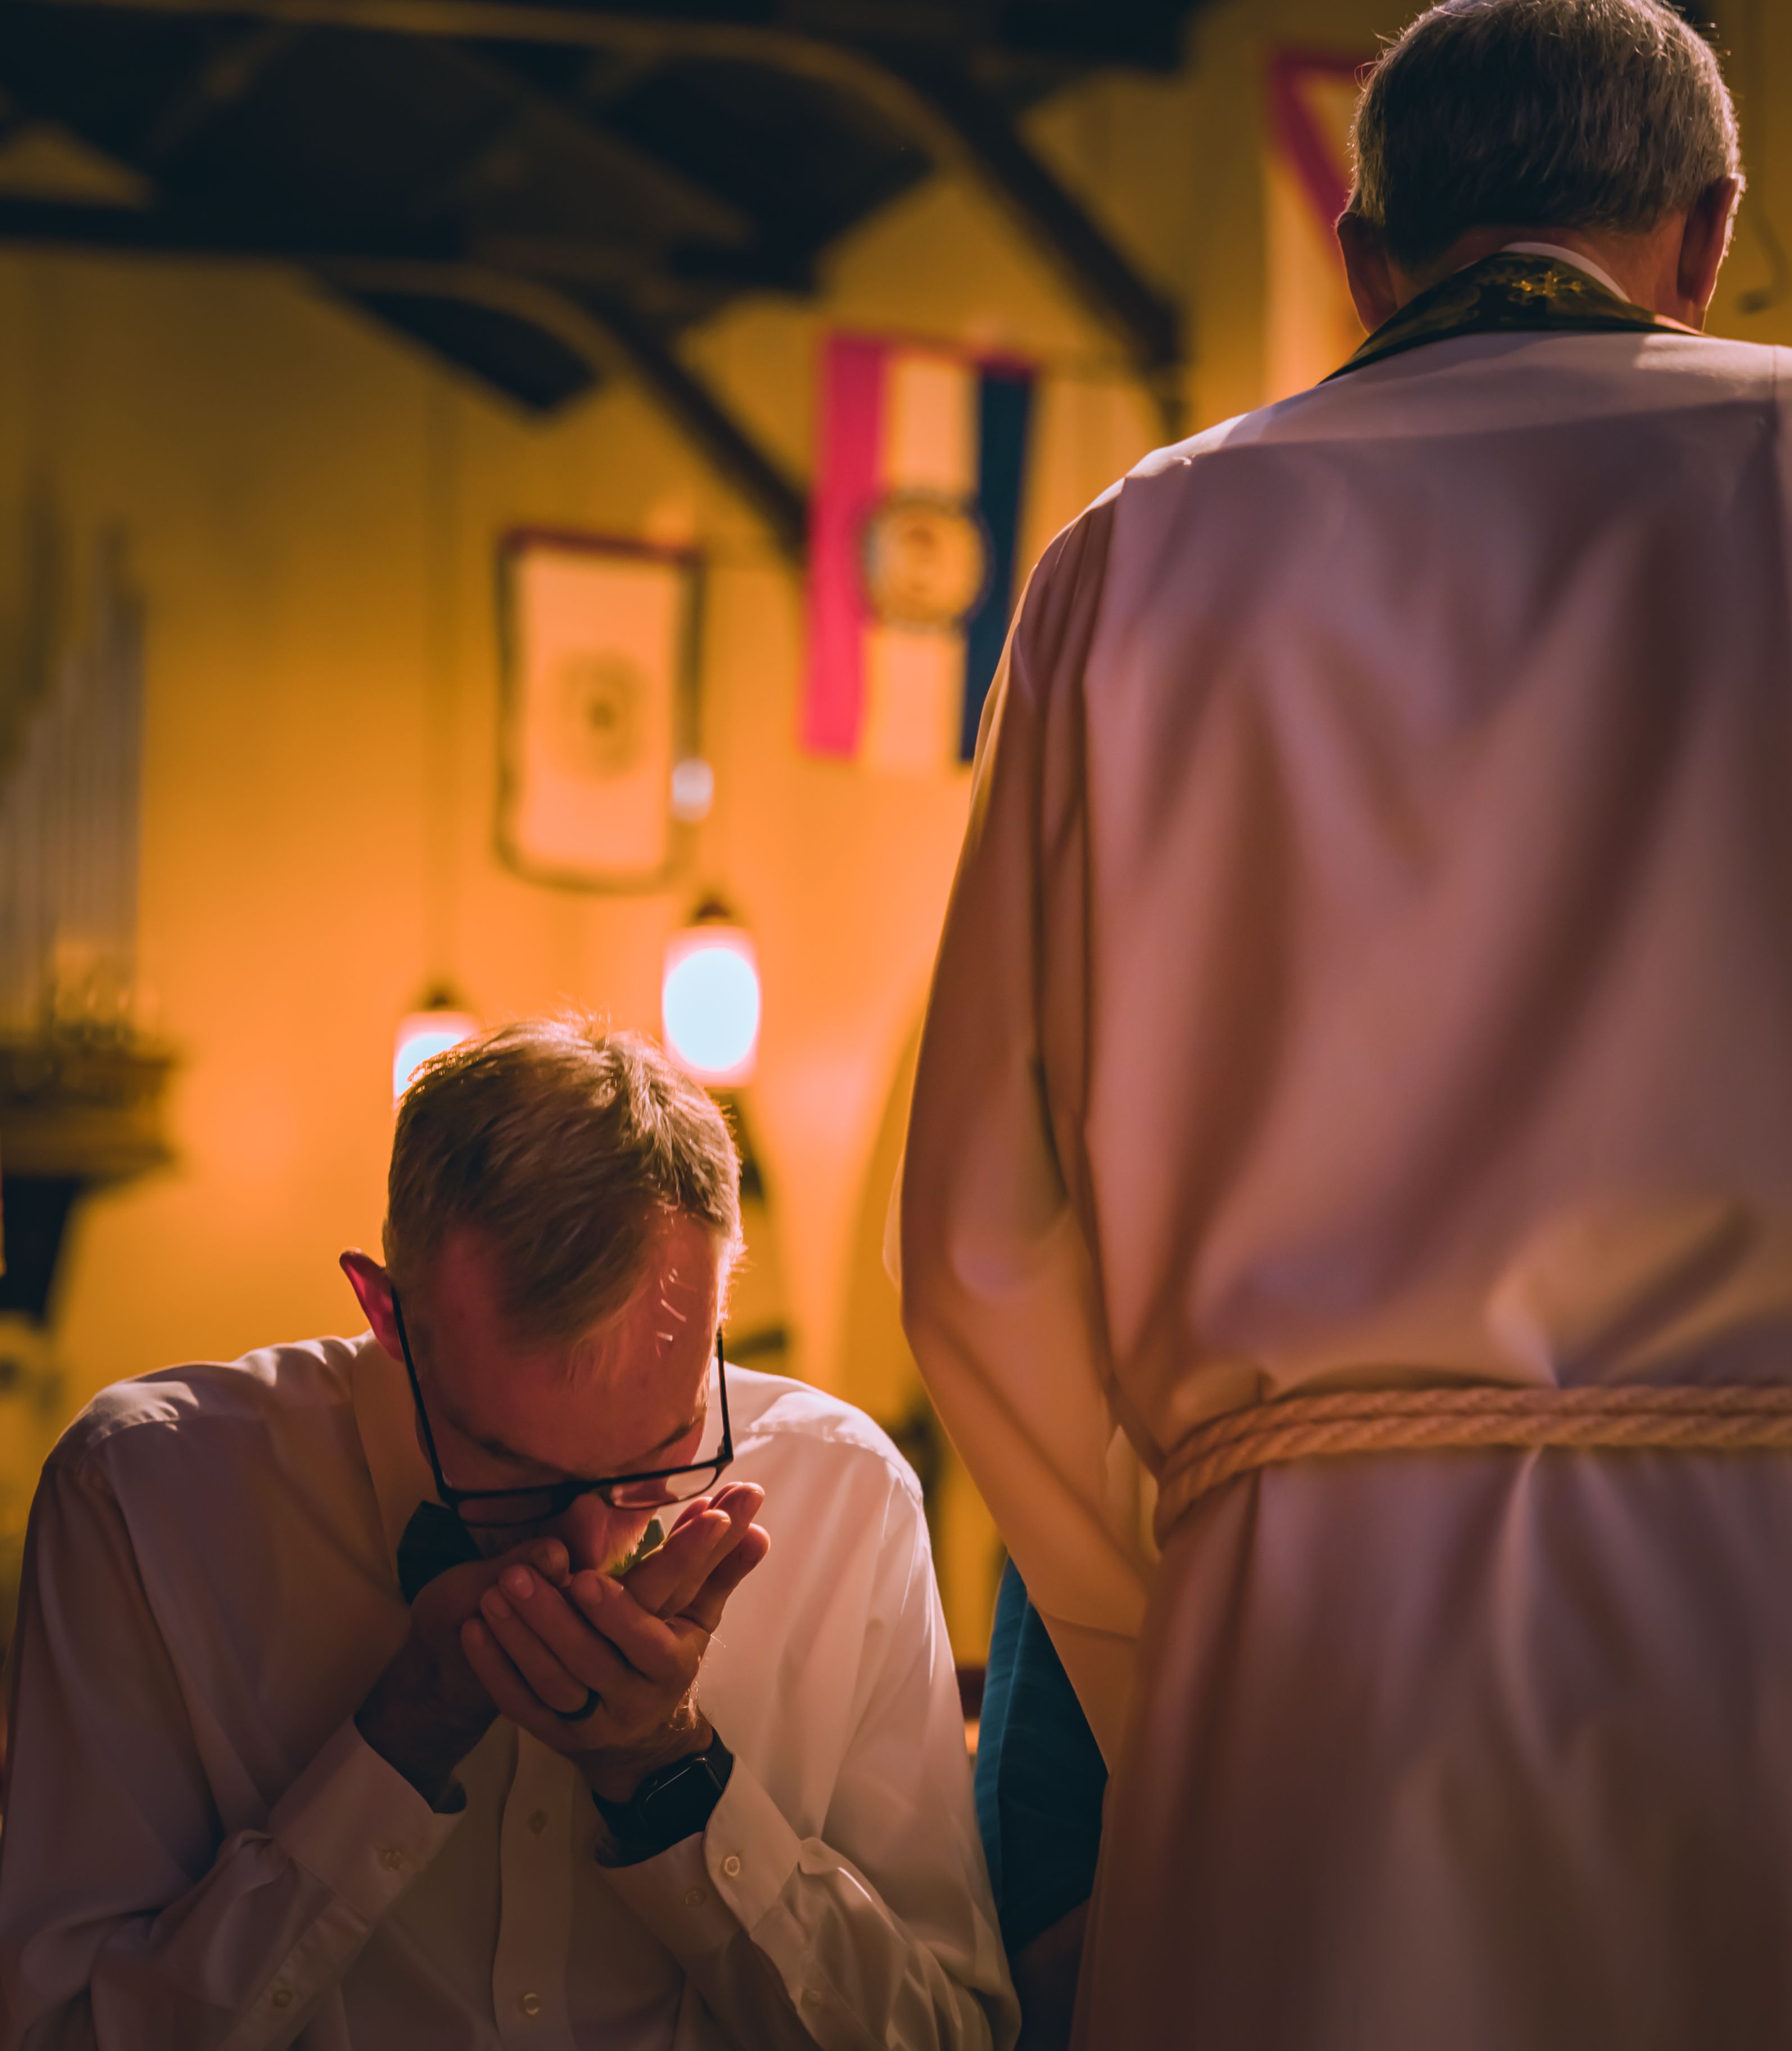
{"x": 1508, "y": 294}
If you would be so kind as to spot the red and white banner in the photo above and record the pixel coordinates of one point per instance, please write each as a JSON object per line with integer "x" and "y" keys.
{"x": 914, "y": 528}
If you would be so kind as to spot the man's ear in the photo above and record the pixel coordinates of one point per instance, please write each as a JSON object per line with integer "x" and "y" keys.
{"x": 1704, "y": 244}
{"x": 372, "y": 1288}
{"x": 1365, "y": 261}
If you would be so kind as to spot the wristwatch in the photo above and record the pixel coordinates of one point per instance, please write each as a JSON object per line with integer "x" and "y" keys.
{"x": 673, "y": 1802}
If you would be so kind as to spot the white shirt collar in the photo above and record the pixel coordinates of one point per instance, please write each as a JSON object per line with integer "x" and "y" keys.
{"x": 1571, "y": 257}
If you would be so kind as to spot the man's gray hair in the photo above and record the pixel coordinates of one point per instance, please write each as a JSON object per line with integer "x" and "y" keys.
{"x": 560, "y": 1143}
{"x": 1538, "y": 113}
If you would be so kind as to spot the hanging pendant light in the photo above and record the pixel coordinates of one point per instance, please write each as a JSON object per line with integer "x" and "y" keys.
{"x": 692, "y": 789}
{"x": 439, "y": 1023}
{"x": 708, "y": 1000}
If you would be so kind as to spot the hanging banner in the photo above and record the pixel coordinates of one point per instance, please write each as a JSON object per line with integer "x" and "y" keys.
{"x": 1310, "y": 325}
{"x": 600, "y": 648}
{"x": 913, "y": 541}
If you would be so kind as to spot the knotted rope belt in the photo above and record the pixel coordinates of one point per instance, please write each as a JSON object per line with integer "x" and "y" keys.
{"x": 1728, "y": 1418}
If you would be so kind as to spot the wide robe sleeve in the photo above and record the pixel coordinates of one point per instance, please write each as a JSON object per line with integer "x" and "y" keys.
{"x": 1001, "y": 1297}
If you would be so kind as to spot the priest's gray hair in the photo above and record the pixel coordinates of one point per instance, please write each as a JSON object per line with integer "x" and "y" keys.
{"x": 1538, "y": 113}
{"x": 560, "y": 1143}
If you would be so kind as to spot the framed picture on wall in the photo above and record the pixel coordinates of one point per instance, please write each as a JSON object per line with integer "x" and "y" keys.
{"x": 599, "y": 650}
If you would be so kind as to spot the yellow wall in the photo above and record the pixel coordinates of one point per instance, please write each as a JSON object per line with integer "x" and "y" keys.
{"x": 311, "y": 508}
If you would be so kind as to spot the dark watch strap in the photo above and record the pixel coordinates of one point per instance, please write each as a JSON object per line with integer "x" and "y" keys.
{"x": 672, "y": 1803}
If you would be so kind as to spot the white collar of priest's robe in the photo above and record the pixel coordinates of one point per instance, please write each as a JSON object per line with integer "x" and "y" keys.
{"x": 1571, "y": 257}
{"x": 386, "y": 1412}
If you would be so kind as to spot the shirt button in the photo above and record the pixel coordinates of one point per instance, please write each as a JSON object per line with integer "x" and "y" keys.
{"x": 393, "y": 1859}
{"x": 812, "y": 1997}
{"x": 282, "y": 1997}
{"x": 695, "y": 1897}
{"x": 530, "y": 2004}
{"x": 731, "y": 1865}
{"x": 537, "y": 1822}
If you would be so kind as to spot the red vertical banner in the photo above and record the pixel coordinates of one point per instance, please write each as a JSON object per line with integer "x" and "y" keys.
{"x": 846, "y": 489}
{"x": 1310, "y": 326}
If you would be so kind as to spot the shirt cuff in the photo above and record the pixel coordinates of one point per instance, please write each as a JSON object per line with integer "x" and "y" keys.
{"x": 357, "y": 1824}
{"x": 696, "y": 1896}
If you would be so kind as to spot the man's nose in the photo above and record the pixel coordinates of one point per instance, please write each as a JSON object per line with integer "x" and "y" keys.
{"x": 588, "y": 1530}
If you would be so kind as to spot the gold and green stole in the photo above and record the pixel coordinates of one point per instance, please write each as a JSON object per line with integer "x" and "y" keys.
{"x": 1508, "y": 293}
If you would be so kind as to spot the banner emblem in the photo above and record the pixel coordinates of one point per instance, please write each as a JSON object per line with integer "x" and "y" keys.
{"x": 924, "y": 559}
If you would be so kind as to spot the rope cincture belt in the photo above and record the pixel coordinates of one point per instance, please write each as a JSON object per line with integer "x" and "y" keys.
{"x": 1636, "y": 1416}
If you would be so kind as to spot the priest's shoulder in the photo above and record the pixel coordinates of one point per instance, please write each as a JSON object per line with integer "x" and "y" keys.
{"x": 1668, "y": 368}
{"x": 1164, "y": 470}
{"x": 204, "y": 1398}
{"x": 777, "y": 1421}
{"x": 1725, "y": 360}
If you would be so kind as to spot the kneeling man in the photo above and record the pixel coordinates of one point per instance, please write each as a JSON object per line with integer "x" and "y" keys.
{"x": 445, "y": 1687}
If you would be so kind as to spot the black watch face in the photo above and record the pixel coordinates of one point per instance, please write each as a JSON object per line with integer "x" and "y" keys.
{"x": 670, "y": 1778}
{"x": 674, "y": 1804}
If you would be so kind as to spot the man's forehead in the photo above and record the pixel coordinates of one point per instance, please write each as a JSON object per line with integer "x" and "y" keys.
{"x": 597, "y": 1402}
{"x": 675, "y": 1294}
{"x": 679, "y": 1256}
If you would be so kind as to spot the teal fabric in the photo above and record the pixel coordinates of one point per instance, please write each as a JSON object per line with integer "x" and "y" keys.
{"x": 1040, "y": 1776}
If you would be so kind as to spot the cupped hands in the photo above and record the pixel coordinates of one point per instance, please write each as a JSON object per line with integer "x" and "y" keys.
{"x": 603, "y": 1670}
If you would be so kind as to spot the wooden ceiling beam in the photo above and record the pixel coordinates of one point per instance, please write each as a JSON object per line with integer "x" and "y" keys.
{"x": 609, "y": 338}
{"x": 579, "y": 262}
{"x": 227, "y": 75}
{"x": 689, "y": 209}
{"x": 165, "y": 231}
{"x": 956, "y": 126}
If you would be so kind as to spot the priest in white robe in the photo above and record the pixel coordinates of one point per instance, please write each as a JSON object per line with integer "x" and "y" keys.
{"x": 1369, "y": 979}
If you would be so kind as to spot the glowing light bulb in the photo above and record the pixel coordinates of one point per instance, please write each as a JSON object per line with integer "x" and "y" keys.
{"x": 421, "y": 1036}
{"x": 709, "y": 1002}
{"x": 692, "y": 789}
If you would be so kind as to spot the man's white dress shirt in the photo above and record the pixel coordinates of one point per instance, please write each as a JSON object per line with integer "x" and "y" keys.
{"x": 201, "y": 1851}
{"x": 1370, "y": 965}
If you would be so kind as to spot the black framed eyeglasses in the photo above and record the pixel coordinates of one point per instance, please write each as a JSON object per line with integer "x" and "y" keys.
{"x": 651, "y": 1488}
